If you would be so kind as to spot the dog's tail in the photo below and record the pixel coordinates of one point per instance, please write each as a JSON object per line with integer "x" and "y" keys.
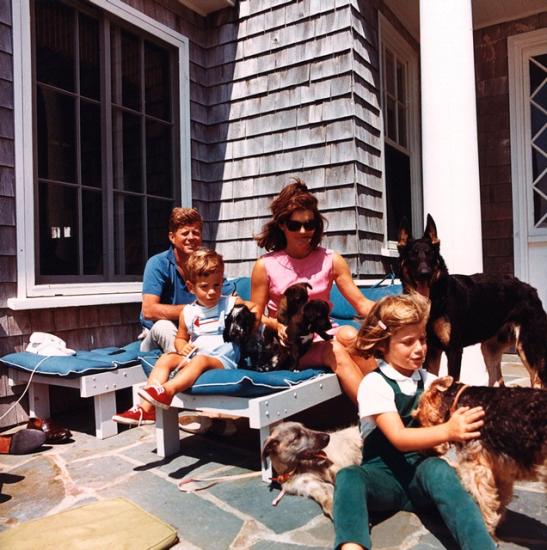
{"x": 532, "y": 335}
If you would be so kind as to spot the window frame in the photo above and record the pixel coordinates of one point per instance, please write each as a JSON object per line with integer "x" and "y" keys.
{"x": 31, "y": 295}
{"x": 520, "y": 48}
{"x": 389, "y": 37}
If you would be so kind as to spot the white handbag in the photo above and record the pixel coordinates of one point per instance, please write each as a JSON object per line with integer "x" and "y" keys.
{"x": 43, "y": 343}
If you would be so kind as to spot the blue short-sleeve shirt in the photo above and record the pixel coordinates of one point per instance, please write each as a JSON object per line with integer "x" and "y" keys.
{"x": 162, "y": 278}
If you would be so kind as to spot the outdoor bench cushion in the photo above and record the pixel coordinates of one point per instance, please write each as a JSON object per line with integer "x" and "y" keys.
{"x": 239, "y": 382}
{"x": 84, "y": 362}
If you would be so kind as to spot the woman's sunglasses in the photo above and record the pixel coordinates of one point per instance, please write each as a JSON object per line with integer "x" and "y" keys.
{"x": 293, "y": 225}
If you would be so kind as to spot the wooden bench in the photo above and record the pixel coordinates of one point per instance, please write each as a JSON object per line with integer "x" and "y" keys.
{"x": 263, "y": 412}
{"x": 101, "y": 386}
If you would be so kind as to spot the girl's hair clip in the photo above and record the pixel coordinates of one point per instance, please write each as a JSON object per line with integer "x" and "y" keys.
{"x": 382, "y": 325}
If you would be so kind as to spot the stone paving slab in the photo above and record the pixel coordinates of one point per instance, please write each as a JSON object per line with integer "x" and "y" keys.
{"x": 232, "y": 515}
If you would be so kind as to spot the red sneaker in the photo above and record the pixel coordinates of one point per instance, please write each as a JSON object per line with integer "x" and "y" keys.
{"x": 156, "y": 395}
{"x": 135, "y": 416}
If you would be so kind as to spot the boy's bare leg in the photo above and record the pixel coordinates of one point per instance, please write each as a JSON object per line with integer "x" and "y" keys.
{"x": 160, "y": 374}
{"x": 190, "y": 373}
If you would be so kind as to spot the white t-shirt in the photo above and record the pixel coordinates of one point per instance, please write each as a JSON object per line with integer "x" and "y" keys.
{"x": 375, "y": 395}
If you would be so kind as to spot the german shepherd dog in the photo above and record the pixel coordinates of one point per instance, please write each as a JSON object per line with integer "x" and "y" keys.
{"x": 306, "y": 461}
{"x": 496, "y": 311}
{"x": 512, "y": 445}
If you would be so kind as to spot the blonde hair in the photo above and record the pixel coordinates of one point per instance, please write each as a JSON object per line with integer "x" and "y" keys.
{"x": 387, "y": 316}
{"x": 202, "y": 263}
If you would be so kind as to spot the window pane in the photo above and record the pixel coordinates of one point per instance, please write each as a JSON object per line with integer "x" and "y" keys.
{"x": 126, "y": 72}
{"x": 58, "y": 211}
{"x": 90, "y": 81}
{"x": 157, "y": 81}
{"x": 92, "y": 229}
{"x": 90, "y": 135}
{"x": 391, "y": 121}
{"x": 158, "y": 159}
{"x": 401, "y": 119}
{"x": 127, "y": 155}
{"x": 540, "y": 96}
{"x": 540, "y": 201}
{"x": 539, "y": 163}
{"x": 537, "y": 76}
{"x": 129, "y": 235}
{"x": 55, "y": 44}
{"x": 390, "y": 72}
{"x": 397, "y": 190}
{"x": 158, "y": 216}
{"x": 540, "y": 210}
{"x": 538, "y": 119}
{"x": 401, "y": 82}
{"x": 55, "y": 135}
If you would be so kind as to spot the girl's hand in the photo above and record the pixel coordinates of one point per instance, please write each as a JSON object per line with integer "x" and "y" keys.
{"x": 464, "y": 423}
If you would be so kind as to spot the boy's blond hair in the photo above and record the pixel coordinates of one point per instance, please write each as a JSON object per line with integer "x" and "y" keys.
{"x": 202, "y": 263}
{"x": 386, "y": 317}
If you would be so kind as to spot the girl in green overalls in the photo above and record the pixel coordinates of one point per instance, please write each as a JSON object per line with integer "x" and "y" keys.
{"x": 393, "y": 474}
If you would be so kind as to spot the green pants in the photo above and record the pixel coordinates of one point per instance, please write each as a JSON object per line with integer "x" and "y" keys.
{"x": 373, "y": 487}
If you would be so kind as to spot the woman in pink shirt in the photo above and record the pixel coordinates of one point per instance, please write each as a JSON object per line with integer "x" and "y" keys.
{"x": 292, "y": 239}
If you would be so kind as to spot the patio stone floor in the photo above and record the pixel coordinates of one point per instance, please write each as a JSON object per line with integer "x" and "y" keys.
{"x": 231, "y": 515}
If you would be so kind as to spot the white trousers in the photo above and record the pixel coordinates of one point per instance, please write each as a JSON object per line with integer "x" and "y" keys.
{"x": 161, "y": 335}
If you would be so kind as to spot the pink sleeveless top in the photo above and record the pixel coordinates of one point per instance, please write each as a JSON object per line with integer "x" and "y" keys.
{"x": 283, "y": 271}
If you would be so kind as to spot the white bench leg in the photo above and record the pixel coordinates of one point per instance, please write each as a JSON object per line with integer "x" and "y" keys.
{"x": 38, "y": 397}
{"x": 167, "y": 432}
{"x": 105, "y": 408}
{"x": 135, "y": 392}
{"x": 265, "y": 466}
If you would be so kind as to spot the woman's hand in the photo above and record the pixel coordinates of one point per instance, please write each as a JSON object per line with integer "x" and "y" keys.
{"x": 464, "y": 424}
{"x": 282, "y": 333}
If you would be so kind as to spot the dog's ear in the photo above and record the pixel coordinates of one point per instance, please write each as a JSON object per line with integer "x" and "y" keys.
{"x": 442, "y": 384}
{"x": 270, "y": 445}
{"x": 430, "y": 231}
{"x": 404, "y": 233}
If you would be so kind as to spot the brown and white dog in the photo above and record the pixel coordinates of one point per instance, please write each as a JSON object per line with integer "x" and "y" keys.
{"x": 512, "y": 445}
{"x": 306, "y": 461}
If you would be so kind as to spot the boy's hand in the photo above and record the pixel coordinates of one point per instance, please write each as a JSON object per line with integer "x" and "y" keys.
{"x": 464, "y": 423}
{"x": 187, "y": 350}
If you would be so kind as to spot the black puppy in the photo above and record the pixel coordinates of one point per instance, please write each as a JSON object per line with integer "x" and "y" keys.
{"x": 292, "y": 301}
{"x": 497, "y": 311}
{"x": 255, "y": 352}
{"x": 312, "y": 318}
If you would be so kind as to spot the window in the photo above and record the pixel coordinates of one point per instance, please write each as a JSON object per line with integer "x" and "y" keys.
{"x": 399, "y": 77}
{"x": 105, "y": 154}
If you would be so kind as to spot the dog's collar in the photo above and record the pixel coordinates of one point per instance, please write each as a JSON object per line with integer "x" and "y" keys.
{"x": 457, "y": 398}
{"x": 283, "y": 478}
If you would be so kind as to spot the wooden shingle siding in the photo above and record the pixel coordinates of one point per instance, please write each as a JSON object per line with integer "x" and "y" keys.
{"x": 296, "y": 95}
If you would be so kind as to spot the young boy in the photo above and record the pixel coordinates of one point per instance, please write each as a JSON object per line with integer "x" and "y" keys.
{"x": 199, "y": 345}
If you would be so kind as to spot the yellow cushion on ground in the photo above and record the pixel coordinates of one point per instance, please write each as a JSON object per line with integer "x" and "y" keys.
{"x": 108, "y": 524}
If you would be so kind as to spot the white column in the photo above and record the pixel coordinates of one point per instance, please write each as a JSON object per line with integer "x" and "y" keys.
{"x": 449, "y": 131}
{"x": 450, "y": 151}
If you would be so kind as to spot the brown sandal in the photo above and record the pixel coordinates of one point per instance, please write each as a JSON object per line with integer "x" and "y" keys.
{"x": 54, "y": 432}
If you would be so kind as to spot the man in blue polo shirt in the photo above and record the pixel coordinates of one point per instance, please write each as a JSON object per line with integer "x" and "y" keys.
{"x": 164, "y": 289}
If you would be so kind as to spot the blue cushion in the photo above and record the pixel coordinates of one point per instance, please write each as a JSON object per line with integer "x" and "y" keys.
{"x": 342, "y": 309}
{"x": 248, "y": 383}
{"x": 242, "y": 287}
{"x": 83, "y": 362}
